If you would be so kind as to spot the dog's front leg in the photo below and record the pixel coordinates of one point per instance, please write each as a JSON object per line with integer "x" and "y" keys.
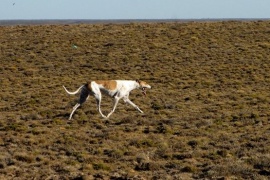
{"x": 116, "y": 99}
{"x": 98, "y": 100}
{"x": 127, "y": 100}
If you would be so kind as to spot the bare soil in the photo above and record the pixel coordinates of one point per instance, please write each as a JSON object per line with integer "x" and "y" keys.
{"x": 206, "y": 117}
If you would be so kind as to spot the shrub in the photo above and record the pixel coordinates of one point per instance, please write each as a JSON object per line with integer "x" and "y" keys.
{"x": 24, "y": 157}
{"x": 101, "y": 166}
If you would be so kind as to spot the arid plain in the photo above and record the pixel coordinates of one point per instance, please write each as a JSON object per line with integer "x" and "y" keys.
{"x": 206, "y": 117}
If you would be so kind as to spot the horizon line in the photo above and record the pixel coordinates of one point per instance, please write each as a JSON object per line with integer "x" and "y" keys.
{"x": 4, "y": 22}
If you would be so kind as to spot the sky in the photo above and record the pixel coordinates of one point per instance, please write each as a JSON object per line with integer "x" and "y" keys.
{"x": 133, "y": 9}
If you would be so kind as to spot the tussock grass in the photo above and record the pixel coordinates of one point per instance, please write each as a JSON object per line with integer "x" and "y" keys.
{"x": 206, "y": 117}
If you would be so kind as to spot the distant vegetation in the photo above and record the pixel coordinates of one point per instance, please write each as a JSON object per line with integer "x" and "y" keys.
{"x": 207, "y": 116}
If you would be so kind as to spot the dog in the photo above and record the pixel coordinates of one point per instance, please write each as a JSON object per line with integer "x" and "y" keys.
{"x": 116, "y": 89}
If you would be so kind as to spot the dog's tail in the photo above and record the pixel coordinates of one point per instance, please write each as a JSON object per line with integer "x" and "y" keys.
{"x": 75, "y": 92}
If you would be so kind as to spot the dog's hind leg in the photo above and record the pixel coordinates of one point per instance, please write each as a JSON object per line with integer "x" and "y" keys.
{"x": 83, "y": 97}
{"x": 74, "y": 109}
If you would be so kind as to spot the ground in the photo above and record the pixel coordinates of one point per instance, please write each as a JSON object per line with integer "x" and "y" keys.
{"x": 206, "y": 116}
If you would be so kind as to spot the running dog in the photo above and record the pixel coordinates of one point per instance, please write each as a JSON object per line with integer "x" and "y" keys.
{"x": 116, "y": 89}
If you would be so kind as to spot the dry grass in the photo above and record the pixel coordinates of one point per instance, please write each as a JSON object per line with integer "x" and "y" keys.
{"x": 207, "y": 116}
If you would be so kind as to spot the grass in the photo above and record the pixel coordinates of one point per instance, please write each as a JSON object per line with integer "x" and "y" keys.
{"x": 206, "y": 117}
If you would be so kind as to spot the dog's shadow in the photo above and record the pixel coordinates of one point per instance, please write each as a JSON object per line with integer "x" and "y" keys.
{"x": 61, "y": 115}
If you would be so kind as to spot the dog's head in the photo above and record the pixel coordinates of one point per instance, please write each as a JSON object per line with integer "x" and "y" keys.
{"x": 143, "y": 86}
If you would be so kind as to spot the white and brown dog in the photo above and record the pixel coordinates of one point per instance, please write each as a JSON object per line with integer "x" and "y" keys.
{"x": 116, "y": 89}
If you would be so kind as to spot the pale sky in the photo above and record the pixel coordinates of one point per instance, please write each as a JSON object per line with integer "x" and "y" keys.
{"x": 133, "y": 9}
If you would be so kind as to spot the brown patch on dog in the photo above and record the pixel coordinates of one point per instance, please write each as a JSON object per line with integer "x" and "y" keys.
{"x": 110, "y": 85}
{"x": 88, "y": 86}
{"x": 142, "y": 83}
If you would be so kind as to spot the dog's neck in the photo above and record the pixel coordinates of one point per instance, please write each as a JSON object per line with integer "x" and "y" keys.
{"x": 136, "y": 84}
{"x": 131, "y": 85}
